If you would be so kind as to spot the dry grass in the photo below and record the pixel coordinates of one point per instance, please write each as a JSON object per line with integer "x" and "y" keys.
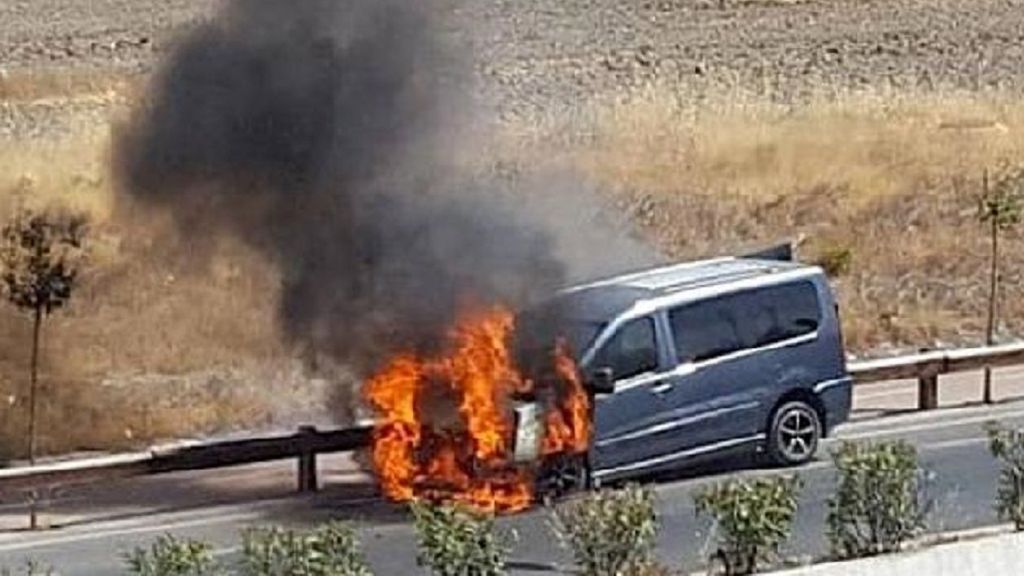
{"x": 892, "y": 178}
{"x": 148, "y": 304}
{"x": 160, "y": 342}
{"x": 35, "y": 85}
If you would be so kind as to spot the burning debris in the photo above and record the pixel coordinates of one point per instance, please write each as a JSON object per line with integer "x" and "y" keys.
{"x": 447, "y": 428}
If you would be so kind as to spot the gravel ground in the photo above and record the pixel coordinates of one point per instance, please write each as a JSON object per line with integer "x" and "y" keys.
{"x": 562, "y": 50}
{"x": 535, "y": 54}
{"x": 119, "y": 34}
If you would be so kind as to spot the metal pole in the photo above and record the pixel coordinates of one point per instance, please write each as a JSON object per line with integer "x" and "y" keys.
{"x": 33, "y": 384}
{"x": 928, "y": 392}
{"x": 307, "y": 462}
{"x": 993, "y": 294}
{"x": 33, "y": 514}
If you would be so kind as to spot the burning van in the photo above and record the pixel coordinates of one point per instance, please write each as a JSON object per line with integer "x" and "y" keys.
{"x": 616, "y": 378}
{"x": 471, "y": 424}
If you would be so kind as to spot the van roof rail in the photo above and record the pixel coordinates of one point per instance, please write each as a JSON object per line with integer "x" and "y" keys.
{"x": 779, "y": 252}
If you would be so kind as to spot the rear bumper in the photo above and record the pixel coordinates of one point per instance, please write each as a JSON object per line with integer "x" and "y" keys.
{"x": 837, "y": 398}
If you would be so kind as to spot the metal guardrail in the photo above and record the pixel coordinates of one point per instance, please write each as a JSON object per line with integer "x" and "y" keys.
{"x": 308, "y": 442}
{"x": 926, "y": 367}
{"x": 303, "y": 445}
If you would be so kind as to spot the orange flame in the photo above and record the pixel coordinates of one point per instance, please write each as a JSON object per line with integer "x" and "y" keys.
{"x": 417, "y": 453}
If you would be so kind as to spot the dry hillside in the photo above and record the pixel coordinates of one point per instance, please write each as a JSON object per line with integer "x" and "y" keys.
{"x": 860, "y": 128}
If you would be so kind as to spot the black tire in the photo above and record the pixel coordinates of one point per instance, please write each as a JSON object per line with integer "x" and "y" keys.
{"x": 794, "y": 434}
{"x": 562, "y": 476}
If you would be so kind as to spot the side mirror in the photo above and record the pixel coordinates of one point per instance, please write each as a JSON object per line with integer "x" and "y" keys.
{"x": 602, "y": 381}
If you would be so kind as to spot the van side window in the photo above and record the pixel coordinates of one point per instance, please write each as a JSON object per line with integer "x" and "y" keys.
{"x": 704, "y": 330}
{"x": 750, "y": 319}
{"x": 631, "y": 351}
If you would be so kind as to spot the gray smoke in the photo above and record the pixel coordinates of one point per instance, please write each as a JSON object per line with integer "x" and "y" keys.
{"x": 318, "y": 131}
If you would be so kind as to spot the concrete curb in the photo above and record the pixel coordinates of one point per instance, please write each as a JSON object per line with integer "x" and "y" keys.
{"x": 989, "y": 551}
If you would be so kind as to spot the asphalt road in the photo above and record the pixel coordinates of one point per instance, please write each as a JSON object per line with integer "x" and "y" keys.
{"x": 951, "y": 444}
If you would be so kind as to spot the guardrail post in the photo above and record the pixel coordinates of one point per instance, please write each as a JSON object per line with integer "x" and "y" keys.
{"x": 307, "y": 461}
{"x": 928, "y": 392}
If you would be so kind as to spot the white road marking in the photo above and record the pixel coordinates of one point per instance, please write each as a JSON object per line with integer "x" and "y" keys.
{"x": 958, "y": 443}
{"x": 142, "y": 525}
{"x": 159, "y": 523}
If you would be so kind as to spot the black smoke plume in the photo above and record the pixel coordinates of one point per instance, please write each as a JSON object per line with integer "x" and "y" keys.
{"x": 318, "y": 132}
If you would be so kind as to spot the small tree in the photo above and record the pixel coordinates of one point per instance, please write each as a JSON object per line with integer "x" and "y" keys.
{"x": 609, "y": 532}
{"x": 40, "y": 254}
{"x": 1000, "y": 207}
{"x": 169, "y": 556}
{"x": 330, "y": 550}
{"x": 879, "y": 500}
{"x": 456, "y": 541}
{"x": 1007, "y": 445}
{"x": 753, "y": 517}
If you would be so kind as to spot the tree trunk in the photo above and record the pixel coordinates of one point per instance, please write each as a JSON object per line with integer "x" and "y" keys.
{"x": 37, "y": 324}
{"x": 993, "y": 296}
{"x": 33, "y": 385}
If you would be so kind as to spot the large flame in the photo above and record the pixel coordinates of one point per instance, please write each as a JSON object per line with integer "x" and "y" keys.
{"x": 464, "y": 455}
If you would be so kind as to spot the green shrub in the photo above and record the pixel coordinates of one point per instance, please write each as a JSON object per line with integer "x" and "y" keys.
{"x": 1007, "y": 445}
{"x": 879, "y": 500}
{"x": 835, "y": 260}
{"x": 609, "y": 532}
{"x": 753, "y": 518}
{"x": 456, "y": 541}
{"x": 169, "y": 556}
{"x": 330, "y": 550}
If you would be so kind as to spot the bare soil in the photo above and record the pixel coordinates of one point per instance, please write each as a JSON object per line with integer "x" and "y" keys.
{"x": 542, "y": 53}
{"x": 535, "y": 54}
{"x": 105, "y": 34}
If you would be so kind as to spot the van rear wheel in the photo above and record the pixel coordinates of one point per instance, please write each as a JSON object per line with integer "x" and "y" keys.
{"x": 794, "y": 434}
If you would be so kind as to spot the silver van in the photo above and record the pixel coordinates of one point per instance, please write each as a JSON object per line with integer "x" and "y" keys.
{"x": 697, "y": 360}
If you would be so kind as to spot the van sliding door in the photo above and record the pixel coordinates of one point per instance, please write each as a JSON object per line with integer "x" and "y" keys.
{"x": 744, "y": 351}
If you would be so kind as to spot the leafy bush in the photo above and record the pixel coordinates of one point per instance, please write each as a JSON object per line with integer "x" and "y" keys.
{"x": 879, "y": 500}
{"x": 1007, "y": 445}
{"x": 456, "y": 541}
{"x": 169, "y": 556}
{"x": 609, "y": 532}
{"x": 754, "y": 518}
{"x": 330, "y": 550}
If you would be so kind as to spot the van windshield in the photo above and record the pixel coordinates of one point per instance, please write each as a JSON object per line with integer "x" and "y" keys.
{"x": 539, "y": 330}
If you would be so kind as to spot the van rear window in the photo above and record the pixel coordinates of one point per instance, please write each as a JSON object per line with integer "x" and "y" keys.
{"x": 749, "y": 319}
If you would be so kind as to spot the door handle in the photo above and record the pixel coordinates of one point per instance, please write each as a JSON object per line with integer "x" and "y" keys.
{"x": 661, "y": 389}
